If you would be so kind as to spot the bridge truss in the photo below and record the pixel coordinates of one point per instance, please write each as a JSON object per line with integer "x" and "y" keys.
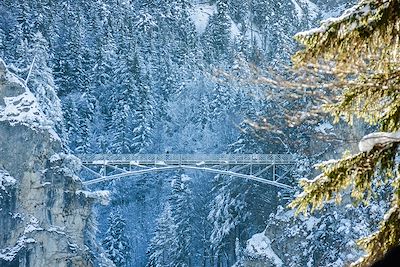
{"x": 271, "y": 169}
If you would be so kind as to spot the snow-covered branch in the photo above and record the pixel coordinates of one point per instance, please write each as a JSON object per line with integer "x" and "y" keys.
{"x": 379, "y": 138}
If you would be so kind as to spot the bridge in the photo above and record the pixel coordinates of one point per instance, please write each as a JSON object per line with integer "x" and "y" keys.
{"x": 272, "y": 169}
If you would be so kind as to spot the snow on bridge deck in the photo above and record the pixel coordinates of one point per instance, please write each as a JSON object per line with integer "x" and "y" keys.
{"x": 186, "y": 159}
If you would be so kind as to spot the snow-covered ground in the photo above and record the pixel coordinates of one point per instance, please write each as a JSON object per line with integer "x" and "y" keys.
{"x": 201, "y": 14}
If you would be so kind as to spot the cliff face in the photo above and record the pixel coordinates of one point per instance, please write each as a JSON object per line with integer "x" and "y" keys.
{"x": 44, "y": 214}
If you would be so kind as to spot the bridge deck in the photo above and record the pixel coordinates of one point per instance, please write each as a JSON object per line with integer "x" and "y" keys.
{"x": 186, "y": 159}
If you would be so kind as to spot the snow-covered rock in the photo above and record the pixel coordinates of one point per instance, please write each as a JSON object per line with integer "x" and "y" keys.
{"x": 302, "y": 240}
{"x": 259, "y": 245}
{"x": 38, "y": 185}
{"x": 18, "y": 105}
{"x": 101, "y": 196}
{"x": 6, "y": 180}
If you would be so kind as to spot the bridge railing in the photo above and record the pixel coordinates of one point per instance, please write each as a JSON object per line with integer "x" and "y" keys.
{"x": 187, "y": 158}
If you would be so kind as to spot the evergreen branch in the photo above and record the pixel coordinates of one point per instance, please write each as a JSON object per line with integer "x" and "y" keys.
{"x": 356, "y": 171}
{"x": 387, "y": 236}
{"x": 368, "y": 25}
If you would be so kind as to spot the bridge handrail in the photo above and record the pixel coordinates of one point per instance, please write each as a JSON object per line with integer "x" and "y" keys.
{"x": 248, "y": 158}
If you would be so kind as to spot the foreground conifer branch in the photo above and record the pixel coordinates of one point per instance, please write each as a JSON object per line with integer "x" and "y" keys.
{"x": 361, "y": 50}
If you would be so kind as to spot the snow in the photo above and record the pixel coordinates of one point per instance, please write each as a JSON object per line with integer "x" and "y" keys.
{"x": 201, "y": 14}
{"x": 103, "y": 162}
{"x": 9, "y": 253}
{"x": 357, "y": 11}
{"x": 378, "y": 138}
{"x": 6, "y": 180}
{"x": 284, "y": 215}
{"x": 311, "y": 222}
{"x": 313, "y": 9}
{"x": 32, "y": 226}
{"x": 18, "y": 216}
{"x": 102, "y": 196}
{"x": 260, "y": 245}
{"x": 318, "y": 178}
{"x": 298, "y": 9}
{"x": 339, "y": 262}
{"x": 300, "y": 5}
{"x": 345, "y": 226}
{"x": 55, "y": 157}
{"x": 23, "y": 109}
{"x": 69, "y": 165}
{"x": 146, "y": 21}
{"x": 235, "y": 32}
{"x": 325, "y": 163}
{"x": 57, "y": 229}
{"x": 324, "y": 128}
{"x": 185, "y": 178}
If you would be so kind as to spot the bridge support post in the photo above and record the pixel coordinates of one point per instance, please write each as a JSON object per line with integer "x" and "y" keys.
{"x": 103, "y": 170}
{"x": 273, "y": 172}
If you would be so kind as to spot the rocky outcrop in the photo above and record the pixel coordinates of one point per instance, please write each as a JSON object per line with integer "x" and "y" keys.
{"x": 44, "y": 213}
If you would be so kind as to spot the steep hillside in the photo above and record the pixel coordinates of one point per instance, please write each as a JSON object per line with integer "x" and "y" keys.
{"x": 45, "y": 215}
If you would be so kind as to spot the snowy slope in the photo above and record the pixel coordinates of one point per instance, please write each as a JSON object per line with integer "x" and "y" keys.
{"x": 201, "y": 14}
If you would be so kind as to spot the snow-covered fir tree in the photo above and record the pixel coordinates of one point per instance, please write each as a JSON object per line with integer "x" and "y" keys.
{"x": 41, "y": 81}
{"x": 116, "y": 242}
{"x": 171, "y": 245}
{"x": 160, "y": 249}
{"x": 218, "y": 34}
{"x": 368, "y": 94}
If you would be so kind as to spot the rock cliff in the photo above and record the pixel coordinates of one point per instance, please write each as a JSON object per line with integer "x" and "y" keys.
{"x": 44, "y": 213}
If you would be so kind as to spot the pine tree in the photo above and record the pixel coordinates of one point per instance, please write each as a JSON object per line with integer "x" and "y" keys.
{"x": 277, "y": 30}
{"x": 103, "y": 85}
{"x": 228, "y": 213}
{"x": 2, "y": 43}
{"x": 143, "y": 119}
{"x": 220, "y": 101}
{"x": 22, "y": 61}
{"x": 69, "y": 65}
{"x": 217, "y": 35}
{"x": 41, "y": 81}
{"x": 171, "y": 245}
{"x": 125, "y": 98}
{"x": 122, "y": 129}
{"x": 182, "y": 30}
{"x": 160, "y": 248}
{"x": 361, "y": 51}
{"x": 115, "y": 242}
{"x": 181, "y": 203}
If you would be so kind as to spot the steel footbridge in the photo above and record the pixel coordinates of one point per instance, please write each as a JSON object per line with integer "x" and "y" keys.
{"x": 271, "y": 169}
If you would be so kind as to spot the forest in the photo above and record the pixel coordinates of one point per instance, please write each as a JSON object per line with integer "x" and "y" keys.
{"x": 314, "y": 79}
